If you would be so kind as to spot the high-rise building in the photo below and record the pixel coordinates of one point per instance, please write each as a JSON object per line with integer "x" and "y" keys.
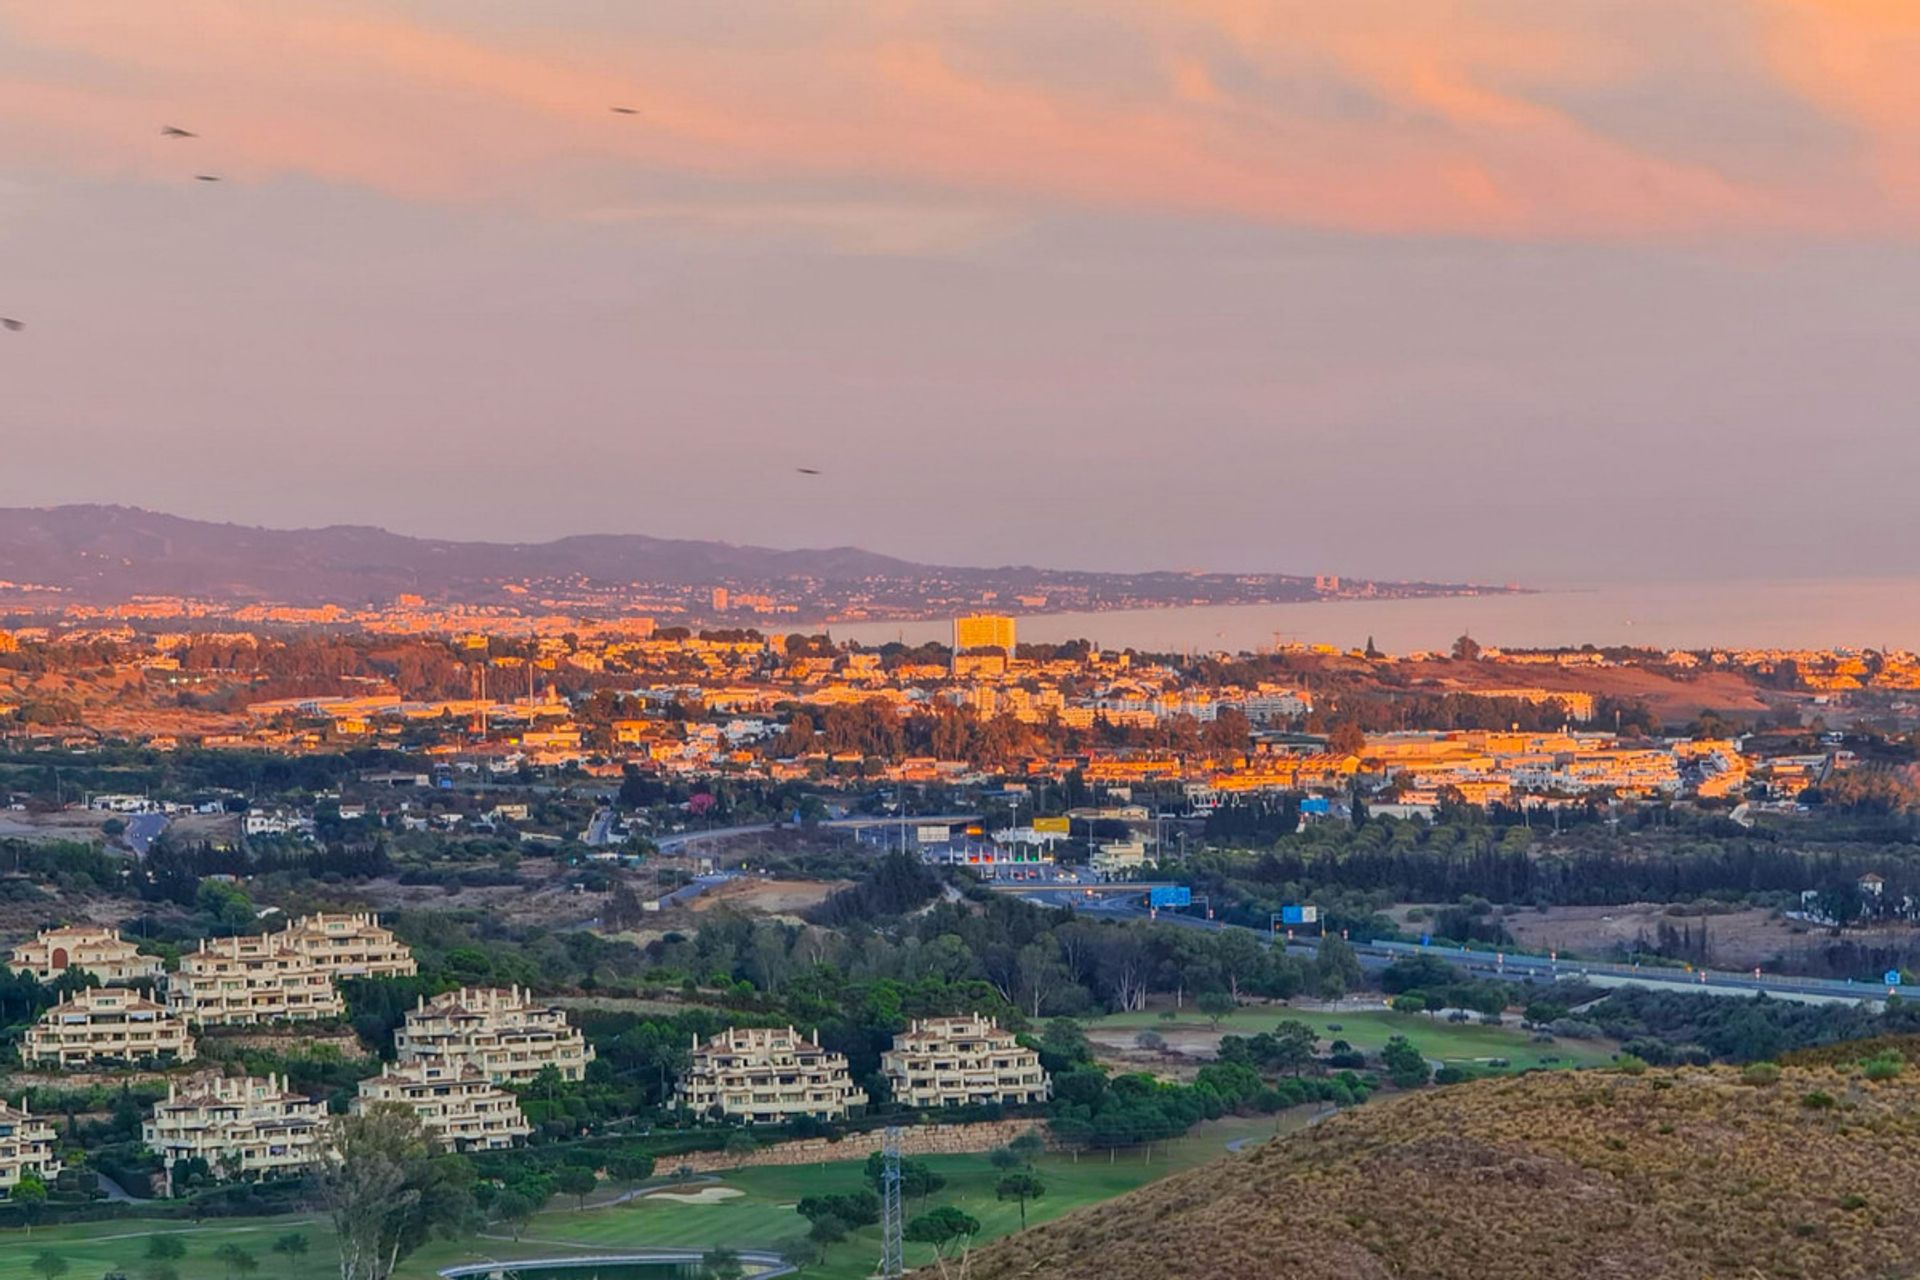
{"x": 957, "y": 1061}
{"x": 983, "y": 631}
{"x": 719, "y": 599}
{"x": 767, "y": 1075}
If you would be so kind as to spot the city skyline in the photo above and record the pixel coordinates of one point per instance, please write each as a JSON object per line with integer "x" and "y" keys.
{"x": 1485, "y": 293}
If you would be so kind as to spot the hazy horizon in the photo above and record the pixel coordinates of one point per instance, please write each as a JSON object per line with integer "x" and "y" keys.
{"x": 1474, "y": 291}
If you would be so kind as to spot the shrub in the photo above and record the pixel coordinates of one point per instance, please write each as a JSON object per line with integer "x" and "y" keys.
{"x": 1630, "y": 1065}
{"x": 1760, "y": 1074}
{"x": 1817, "y": 1100}
{"x": 1884, "y": 1066}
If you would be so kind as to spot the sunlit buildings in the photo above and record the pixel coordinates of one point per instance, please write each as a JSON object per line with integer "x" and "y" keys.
{"x": 501, "y": 1031}
{"x": 98, "y": 951}
{"x": 236, "y": 981}
{"x": 454, "y": 1100}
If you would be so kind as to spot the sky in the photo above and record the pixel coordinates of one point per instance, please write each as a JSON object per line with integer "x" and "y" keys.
{"x": 1492, "y": 290}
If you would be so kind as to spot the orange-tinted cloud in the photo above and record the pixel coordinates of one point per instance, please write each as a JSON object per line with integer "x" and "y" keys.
{"x": 1450, "y": 118}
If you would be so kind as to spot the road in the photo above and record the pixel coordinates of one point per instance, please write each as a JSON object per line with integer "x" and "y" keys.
{"x": 1507, "y": 966}
{"x": 764, "y": 1266}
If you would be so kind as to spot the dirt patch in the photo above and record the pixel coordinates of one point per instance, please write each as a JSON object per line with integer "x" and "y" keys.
{"x": 768, "y": 897}
{"x": 1736, "y": 940}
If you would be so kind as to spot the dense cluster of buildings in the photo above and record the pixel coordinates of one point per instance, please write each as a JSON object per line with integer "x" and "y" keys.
{"x": 288, "y": 976}
{"x": 503, "y": 1033}
{"x": 237, "y": 1126}
{"x": 26, "y": 1147}
{"x": 771, "y": 1075}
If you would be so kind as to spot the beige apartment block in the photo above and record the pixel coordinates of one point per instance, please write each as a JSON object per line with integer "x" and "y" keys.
{"x": 26, "y": 1146}
{"x": 106, "y": 1024}
{"x": 352, "y": 945}
{"x": 502, "y": 1031}
{"x": 238, "y": 981}
{"x": 767, "y": 1075}
{"x": 951, "y": 1062}
{"x": 454, "y": 1100}
{"x": 242, "y": 1126}
{"x": 100, "y": 951}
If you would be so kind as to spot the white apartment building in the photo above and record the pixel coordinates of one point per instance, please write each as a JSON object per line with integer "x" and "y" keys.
{"x": 26, "y": 1146}
{"x": 353, "y": 945}
{"x": 955, "y": 1061}
{"x": 501, "y": 1031}
{"x": 454, "y": 1100}
{"x": 242, "y": 1126}
{"x": 98, "y": 950}
{"x": 767, "y": 1075}
{"x": 238, "y": 981}
{"x": 106, "y": 1024}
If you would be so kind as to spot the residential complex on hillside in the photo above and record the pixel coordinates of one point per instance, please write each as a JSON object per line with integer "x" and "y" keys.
{"x": 99, "y": 951}
{"x": 107, "y": 1025}
{"x": 353, "y": 945}
{"x": 503, "y": 1032}
{"x": 959, "y": 1061}
{"x": 26, "y": 1147}
{"x": 456, "y": 1101}
{"x": 236, "y": 981}
{"x": 767, "y": 1075}
{"x": 241, "y": 1126}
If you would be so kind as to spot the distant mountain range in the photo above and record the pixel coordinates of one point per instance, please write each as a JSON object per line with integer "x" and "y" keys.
{"x": 100, "y": 554}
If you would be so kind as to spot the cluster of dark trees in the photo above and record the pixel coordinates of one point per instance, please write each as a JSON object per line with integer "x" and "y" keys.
{"x": 1669, "y": 1027}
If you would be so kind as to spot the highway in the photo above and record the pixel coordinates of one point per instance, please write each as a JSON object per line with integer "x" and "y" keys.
{"x": 1126, "y": 902}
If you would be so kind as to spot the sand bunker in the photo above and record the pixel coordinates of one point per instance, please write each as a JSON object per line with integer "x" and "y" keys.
{"x": 705, "y": 1195}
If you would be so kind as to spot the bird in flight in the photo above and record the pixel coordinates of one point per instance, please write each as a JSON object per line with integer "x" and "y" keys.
{"x": 171, "y": 131}
{"x": 807, "y": 471}
{"x": 206, "y": 177}
{"x": 11, "y": 325}
{"x": 624, "y": 111}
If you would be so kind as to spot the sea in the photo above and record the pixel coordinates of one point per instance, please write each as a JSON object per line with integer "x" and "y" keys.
{"x": 1859, "y": 613}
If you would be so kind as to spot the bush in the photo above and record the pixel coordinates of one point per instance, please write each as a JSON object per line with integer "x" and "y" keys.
{"x": 1630, "y": 1065}
{"x": 1760, "y": 1074}
{"x": 1883, "y": 1066}
{"x": 1818, "y": 1100}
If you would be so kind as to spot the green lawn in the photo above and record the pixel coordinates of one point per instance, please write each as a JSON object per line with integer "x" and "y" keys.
{"x": 763, "y": 1217}
{"x": 1466, "y": 1043}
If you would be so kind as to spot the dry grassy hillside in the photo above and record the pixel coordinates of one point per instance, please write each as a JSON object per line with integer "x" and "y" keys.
{"x": 1579, "y": 1175}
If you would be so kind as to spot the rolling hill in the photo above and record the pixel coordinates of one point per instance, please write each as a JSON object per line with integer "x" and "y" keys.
{"x": 1563, "y": 1176}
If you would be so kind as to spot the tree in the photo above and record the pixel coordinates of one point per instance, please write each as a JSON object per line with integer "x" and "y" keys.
{"x": 49, "y": 1264}
{"x": 1022, "y": 1186}
{"x": 165, "y": 1248}
{"x": 917, "y": 1178}
{"x": 1292, "y": 1048}
{"x": 739, "y": 1145}
{"x": 1408, "y": 1002}
{"x": 236, "y": 1260}
{"x": 30, "y": 1193}
{"x": 1466, "y": 649}
{"x": 721, "y": 1264}
{"x": 387, "y": 1188}
{"x": 629, "y": 1168}
{"x": 512, "y": 1209}
{"x": 1004, "y": 1159}
{"x": 1405, "y": 1067}
{"x": 293, "y": 1244}
{"x": 1216, "y": 1005}
{"x": 941, "y": 1227}
{"x": 1029, "y": 1146}
{"x": 576, "y": 1181}
{"x": 1347, "y": 739}
{"x": 1336, "y": 968}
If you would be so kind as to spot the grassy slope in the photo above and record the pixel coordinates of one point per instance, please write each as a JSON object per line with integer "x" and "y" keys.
{"x": 763, "y": 1217}
{"x": 1552, "y": 1176}
{"x": 1369, "y": 1031}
